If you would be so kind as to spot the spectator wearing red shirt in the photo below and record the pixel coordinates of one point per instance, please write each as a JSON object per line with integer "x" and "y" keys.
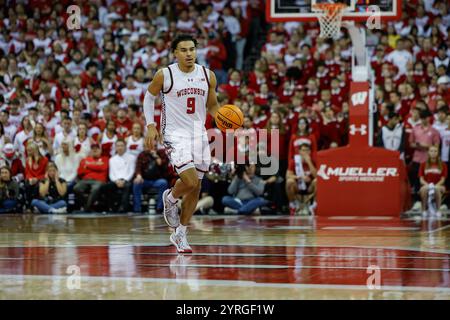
{"x": 312, "y": 94}
{"x": 217, "y": 54}
{"x": 35, "y": 167}
{"x": 418, "y": 75}
{"x": 330, "y": 129}
{"x": 401, "y": 107}
{"x": 432, "y": 175}
{"x": 123, "y": 124}
{"x": 301, "y": 137}
{"x": 323, "y": 75}
{"x": 232, "y": 87}
{"x": 93, "y": 173}
{"x": 262, "y": 98}
{"x": 427, "y": 54}
{"x": 11, "y": 159}
{"x": 89, "y": 77}
{"x": 256, "y": 79}
{"x": 338, "y": 95}
{"x": 286, "y": 92}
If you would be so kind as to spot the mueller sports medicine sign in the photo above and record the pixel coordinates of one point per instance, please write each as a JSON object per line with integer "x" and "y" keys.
{"x": 359, "y": 174}
{"x": 360, "y": 181}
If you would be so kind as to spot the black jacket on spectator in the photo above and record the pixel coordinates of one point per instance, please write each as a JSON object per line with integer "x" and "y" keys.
{"x": 9, "y": 191}
{"x": 53, "y": 195}
{"x": 147, "y": 167}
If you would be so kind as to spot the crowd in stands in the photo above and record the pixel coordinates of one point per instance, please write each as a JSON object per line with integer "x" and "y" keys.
{"x": 71, "y": 117}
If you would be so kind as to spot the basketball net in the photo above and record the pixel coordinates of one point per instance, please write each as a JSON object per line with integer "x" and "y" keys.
{"x": 330, "y": 18}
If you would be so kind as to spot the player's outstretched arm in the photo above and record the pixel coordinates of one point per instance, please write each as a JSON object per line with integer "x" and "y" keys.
{"x": 212, "y": 104}
{"x": 149, "y": 107}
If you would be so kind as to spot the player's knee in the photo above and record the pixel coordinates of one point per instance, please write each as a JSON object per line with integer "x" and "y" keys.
{"x": 191, "y": 184}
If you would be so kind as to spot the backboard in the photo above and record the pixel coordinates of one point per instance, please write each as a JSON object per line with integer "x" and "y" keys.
{"x": 358, "y": 10}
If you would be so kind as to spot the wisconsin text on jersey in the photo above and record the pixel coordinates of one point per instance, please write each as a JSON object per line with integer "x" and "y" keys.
{"x": 187, "y": 91}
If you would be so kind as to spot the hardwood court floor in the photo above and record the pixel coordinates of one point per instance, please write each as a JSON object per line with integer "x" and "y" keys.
{"x": 129, "y": 257}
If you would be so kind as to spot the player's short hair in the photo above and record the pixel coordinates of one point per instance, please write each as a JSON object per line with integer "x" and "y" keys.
{"x": 181, "y": 38}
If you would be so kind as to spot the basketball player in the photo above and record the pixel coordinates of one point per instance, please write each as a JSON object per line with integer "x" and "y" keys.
{"x": 188, "y": 91}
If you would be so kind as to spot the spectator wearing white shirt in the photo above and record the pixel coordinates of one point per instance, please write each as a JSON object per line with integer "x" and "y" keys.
{"x": 141, "y": 81}
{"x": 291, "y": 54}
{"x": 67, "y": 161}
{"x": 231, "y": 23}
{"x": 22, "y": 136}
{"x": 211, "y": 15}
{"x": 42, "y": 42}
{"x": 442, "y": 59}
{"x": 121, "y": 171}
{"x": 184, "y": 23}
{"x": 19, "y": 43}
{"x": 400, "y": 57}
{"x": 440, "y": 121}
{"x": 15, "y": 113}
{"x": 82, "y": 143}
{"x": 135, "y": 142}
{"x": 67, "y": 132}
{"x": 274, "y": 46}
{"x": 131, "y": 91}
{"x": 421, "y": 18}
{"x": 77, "y": 65}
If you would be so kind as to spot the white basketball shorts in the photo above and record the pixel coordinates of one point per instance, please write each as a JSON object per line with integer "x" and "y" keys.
{"x": 188, "y": 152}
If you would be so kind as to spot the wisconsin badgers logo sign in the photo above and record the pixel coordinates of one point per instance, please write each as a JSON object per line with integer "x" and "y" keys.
{"x": 359, "y": 98}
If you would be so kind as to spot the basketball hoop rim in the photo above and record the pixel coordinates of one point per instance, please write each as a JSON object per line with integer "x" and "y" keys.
{"x": 329, "y": 8}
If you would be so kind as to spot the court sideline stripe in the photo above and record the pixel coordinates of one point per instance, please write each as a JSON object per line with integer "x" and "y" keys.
{"x": 268, "y": 266}
{"x": 231, "y": 254}
{"x": 234, "y": 283}
{"x": 166, "y": 244}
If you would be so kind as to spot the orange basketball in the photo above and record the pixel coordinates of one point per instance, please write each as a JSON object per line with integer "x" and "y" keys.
{"x": 229, "y": 117}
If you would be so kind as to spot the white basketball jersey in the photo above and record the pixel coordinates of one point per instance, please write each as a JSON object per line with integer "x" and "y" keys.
{"x": 184, "y": 97}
